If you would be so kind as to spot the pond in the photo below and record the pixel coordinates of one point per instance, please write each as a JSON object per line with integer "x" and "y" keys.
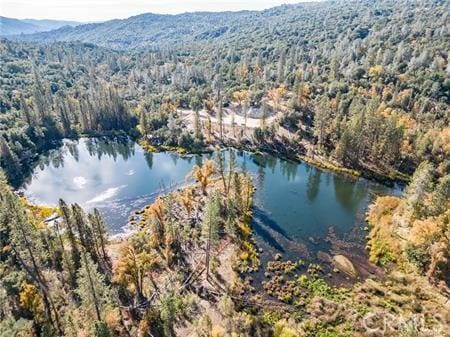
{"x": 299, "y": 209}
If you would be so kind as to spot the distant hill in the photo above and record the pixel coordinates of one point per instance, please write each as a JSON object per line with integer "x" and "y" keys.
{"x": 149, "y": 30}
{"x": 10, "y": 26}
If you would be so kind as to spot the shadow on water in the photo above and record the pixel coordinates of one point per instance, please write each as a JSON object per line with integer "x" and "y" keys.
{"x": 294, "y": 202}
{"x": 267, "y": 237}
{"x": 261, "y": 216}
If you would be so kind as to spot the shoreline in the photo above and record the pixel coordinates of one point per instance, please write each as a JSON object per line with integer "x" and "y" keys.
{"x": 382, "y": 178}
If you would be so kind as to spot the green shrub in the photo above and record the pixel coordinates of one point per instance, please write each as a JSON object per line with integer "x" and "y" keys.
{"x": 418, "y": 256}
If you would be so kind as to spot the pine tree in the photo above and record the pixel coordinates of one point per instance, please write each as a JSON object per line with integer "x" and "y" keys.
{"x": 143, "y": 121}
{"x": 231, "y": 168}
{"x": 321, "y": 120}
{"x": 9, "y": 162}
{"x": 440, "y": 201}
{"x": 210, "y": 226}
{"x": 67, "y": 261}
{"x": 220, "y": 118}
{"x": 263, "y": 117}
{"x": 237, "y": 185}
{"x": 420, "y": 185}
{"x": 196, "y": 106}
{"x": 100, "y": 329}
{"x": 84, "y": 230}
{"x": 217, "y": 87}
{"x": 27, "y": 248}
{"x": 221, "y": 170}
{"x": 99, "y": 237}
{"x": 24, "y": 108}
{"x": 281, "y": 67}
{"x": 95, "y": 295}
{"x": 68, "y": 224}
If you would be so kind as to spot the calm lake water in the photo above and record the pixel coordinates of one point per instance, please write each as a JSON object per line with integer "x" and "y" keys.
{"x": 297, "y": 206}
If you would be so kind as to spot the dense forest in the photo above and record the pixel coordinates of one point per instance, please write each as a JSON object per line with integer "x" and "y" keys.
{"x": 62, "y": 276}
{"x": 364, "y": 86}
{"x": 361, "y": 87}
{"x": 187, "y": 268}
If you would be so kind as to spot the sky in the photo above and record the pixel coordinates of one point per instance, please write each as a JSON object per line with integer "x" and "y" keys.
{"x": 100, "y": 10}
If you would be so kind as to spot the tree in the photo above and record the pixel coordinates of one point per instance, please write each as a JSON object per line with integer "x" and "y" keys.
{"x": 143, "y": 121}
{"x": 171, "y": 309}
{"x": 196, "y": 105}
{"x": 186, "y": 198}
{"x": 237, "y": 186}
{"x": 210, "y": 226}
{"x": 84, "y": 231}
{"x": 321, "y": 120}
{"x": 221, "y": 170}
{"x": 31, "y": 299}
{"x": 440, "y": 200}
{"x": 240, "y": 97}
{"x": 99, "y": 237}
{"x": 263, "y": 117}
{"x": 100, "y": 329}
{"x": 27, "y": 248}
{"x": 135, "y": 261}
{"x": 95, "y": 295}
{"x": 343, "y": 150}
{"x": 203, "y": 173}
{"x": 26, "y": 111}
{"x": 231, "y": 168}
{"x": 9, "y": 162}
{"x": 418, "y": 188}
{"x": 391, "y": 140}
{"x": 67, "y": 262}
{"x": 281, "y": 67}
{"x": 66, "y": 216}
{"x": 217, "y": 87}
{"x": 208, "y": 128}
{"x": 303, "y": 95}
{"x": 157, "y": 220}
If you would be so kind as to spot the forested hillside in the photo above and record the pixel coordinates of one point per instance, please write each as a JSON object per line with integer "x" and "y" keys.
{"x": 10, "y": 26}
{"x": 360, "y": 87}
{"x": 363, "y": 84}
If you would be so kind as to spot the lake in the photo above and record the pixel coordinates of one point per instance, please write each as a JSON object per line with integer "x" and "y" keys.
{"x": 299, "y": 209}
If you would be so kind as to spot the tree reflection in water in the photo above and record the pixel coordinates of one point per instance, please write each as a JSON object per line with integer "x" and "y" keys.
{"x": 313, "y": 184}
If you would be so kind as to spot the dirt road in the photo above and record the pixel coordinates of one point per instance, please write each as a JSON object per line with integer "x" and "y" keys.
{"x": 252, "y": 123}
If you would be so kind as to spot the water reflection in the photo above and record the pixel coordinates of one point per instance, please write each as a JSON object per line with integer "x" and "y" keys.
{"x": 99, "y": 147}
{"x": 264, "y": 161}
{"x": 149, "y": 159}
{"x": 72, "y": 147}
{"x": 313, "y": 184}
{"x": 259, "y": 180}
{"x": 348, "y": 194}
{"x": 289, "y": 169}
{"x": 293, "y": 202}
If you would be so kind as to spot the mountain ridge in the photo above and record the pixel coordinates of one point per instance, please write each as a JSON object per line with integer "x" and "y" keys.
{"x": 151, "y": 29}
{"x": 12, "y": 26}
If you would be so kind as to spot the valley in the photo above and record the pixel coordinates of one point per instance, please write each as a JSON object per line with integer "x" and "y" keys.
{"x": 281, "y": 173}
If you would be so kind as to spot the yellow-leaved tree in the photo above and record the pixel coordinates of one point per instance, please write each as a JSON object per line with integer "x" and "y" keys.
{"x": 202, "y": 174}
